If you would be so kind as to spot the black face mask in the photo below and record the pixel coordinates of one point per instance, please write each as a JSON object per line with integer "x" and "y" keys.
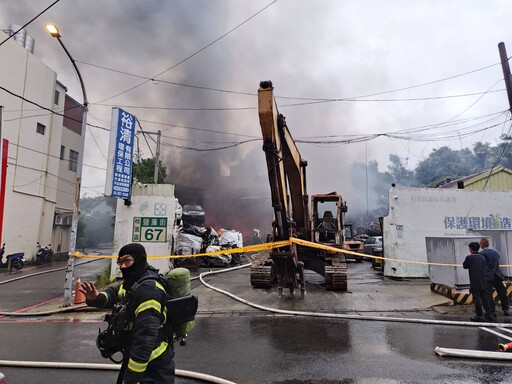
{"x": 140, "y": 265}
{"x": 133, "y": 273}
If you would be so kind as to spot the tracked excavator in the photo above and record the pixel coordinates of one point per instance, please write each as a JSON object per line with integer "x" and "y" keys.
{"x": 323, "y": 224}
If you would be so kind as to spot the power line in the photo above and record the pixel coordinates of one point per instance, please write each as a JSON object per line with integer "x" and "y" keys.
{"x": 47, "y": 8}
{"x": 498, "y": 159}
{"x": 314, "y": 102}
{"x": 167, "y": 82}
{"x": 38, "y": 105}
{"x": 210, "y": 149}
{"x": 193, "y": 54}
{"x": 451, "y": 122}
{"x": 409, "y": 87}
{"x": 422, "y": 127}
{"x": 54, "y": 156}
{"x": 24, "y": 185}
{"x": 97, "y": 145}
{"x": 196, "y": 129}
{"x": 43, "y": 173}
{"x": 59, "y": 112}
{"x": 354, "y": 139}
{"x": 152, "y": 122}
{"x": 443, "y": 126}
{"x": 403, "y": 134}
{"x": 391, "y": 135}
{"x": 476, "y": 101}
{"x": 49, "y": 110}
{"x": 310, "y": 99}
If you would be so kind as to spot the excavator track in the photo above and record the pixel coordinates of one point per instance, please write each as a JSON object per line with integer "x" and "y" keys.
{"x": 336, "y": 274}
{"x": 261, "y": 275}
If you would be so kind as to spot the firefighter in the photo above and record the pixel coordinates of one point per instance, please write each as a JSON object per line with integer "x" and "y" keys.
{"x": 147, "y": 350}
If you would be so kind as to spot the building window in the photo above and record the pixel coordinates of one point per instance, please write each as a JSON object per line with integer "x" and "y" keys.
{"x": 40, "y": 128}
{"x": 73, "y": 160}
{"x": 56, "y": 97}
{"x": 62, "y": 152}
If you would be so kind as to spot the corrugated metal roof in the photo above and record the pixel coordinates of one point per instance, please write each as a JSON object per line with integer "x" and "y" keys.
{"x": 499, "y": 178}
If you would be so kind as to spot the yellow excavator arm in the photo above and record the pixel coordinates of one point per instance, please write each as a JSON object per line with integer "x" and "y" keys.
{"x": 287, "y": 178}
{"x": 286, "y": 169}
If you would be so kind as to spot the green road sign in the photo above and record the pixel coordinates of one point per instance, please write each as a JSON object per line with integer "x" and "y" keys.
{"x": 150, "y": 229}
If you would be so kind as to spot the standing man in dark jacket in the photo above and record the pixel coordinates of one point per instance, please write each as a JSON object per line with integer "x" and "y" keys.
{"x": 147, "y": 353}
{"x": 475, "y": 263}
{"x": 494, "y": 277}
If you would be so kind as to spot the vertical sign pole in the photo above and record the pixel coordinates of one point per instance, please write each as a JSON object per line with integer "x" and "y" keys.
{"x": 157, "y": 158}
{"x": 3, "y": 175}
{"x": 5, "y": 147}
{"x": 70, "y": 269}
{"x": 2, "y": 180}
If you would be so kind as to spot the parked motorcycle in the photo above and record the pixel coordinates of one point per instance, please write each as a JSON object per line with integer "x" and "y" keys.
{"x": 43, "y": 255}
{"x": 17, "y": 260}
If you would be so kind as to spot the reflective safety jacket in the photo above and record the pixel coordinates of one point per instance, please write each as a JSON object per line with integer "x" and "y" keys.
{"x": 146, "y": 314}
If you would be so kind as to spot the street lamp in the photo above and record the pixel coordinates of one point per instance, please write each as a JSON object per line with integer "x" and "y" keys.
{"x": 54, "y": 31}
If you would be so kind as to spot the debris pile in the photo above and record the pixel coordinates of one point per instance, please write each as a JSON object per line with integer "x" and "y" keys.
{"x": 192, "y": 239}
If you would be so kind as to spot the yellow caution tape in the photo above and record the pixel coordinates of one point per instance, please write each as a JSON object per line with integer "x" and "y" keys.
{"x": 277, "y": 244}
{"x": 249, "y": 248}
{"x": 339, "y": 250}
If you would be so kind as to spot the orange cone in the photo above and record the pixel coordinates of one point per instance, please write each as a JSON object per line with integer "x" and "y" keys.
{"x": 79, "y": 296}
{"x": 505, "y": 347}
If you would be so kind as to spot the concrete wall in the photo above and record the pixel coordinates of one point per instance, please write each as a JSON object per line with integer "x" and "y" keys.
{"x": 417, "y": 213}
{"x": 449, "y": 250}
{"x": 501, "y": 240}
{"x": 149, "y": 201}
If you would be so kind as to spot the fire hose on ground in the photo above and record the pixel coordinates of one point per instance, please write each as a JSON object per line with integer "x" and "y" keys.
{"x": 439, "y": 351}
{"x": 107, "y": 367}
{"x": 276, "y": 310}
{"x": 92, "y": 366}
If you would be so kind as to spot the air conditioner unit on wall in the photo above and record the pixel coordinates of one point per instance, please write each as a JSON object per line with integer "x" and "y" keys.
{"x": 59, "y": 219}
{"x": 68, "y": 220}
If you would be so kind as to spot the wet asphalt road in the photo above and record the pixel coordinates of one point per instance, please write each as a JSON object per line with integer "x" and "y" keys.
{"x": 250, "y": 346}
{"x": 271, "y": 349}
{"x": 33, "y": 286}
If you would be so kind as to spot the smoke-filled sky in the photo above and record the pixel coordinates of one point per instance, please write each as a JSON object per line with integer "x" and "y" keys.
{"x": 425, "y": 73}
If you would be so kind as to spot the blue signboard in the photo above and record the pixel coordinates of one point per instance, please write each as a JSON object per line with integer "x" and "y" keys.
{"x": 123, "y": 155}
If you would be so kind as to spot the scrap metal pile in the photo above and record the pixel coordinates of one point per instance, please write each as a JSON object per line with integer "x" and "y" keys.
{"x": 191, "y": 240}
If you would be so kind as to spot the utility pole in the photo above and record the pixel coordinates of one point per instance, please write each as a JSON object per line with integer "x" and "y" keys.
{"x": 157, "y": 153}
{"x": 506, "y": 72}
{"x": 2, "y": 183}
{"x": 157, "y": 157}
{"x": 68, "y": 283}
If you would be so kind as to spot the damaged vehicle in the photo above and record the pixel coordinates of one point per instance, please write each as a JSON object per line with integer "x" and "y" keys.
{"x": 193, "y": 215}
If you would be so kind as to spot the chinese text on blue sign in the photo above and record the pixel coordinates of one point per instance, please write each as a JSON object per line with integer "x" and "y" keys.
{"x": 123, "y": 155}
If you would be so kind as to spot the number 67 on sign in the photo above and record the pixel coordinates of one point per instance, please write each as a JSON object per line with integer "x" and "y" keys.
{"x": 150, "y": 229}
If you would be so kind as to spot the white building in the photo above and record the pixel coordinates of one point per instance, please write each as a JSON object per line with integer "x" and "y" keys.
{"x": 418, "y": 213}
{"x": 44, "y": 129}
